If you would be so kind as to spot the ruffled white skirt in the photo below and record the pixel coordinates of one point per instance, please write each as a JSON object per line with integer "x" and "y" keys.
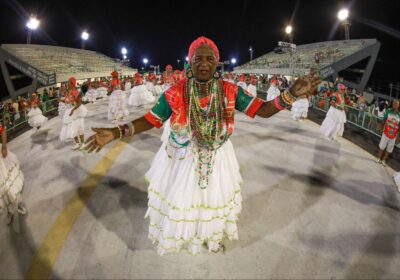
{"x": 300, "y": 109}
{"x": 90, "y": 95}
{"x": 333, "y": 124}
{"x": 36, "y": 118}
{"x": 140, "y": 95}
{"x": 182, "y": 215}
{"x": 11, "y": 182}
{"x": 117, "y": 107}
{"x": 101, "y": 92}
{"x": 62, "y": 107}
{"x": 74, "y": 125}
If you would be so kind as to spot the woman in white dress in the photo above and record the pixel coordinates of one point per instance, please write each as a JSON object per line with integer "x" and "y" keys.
{"x": 333, "y": 124}
{"x": 91, "y": 94}
{"x": 35, "y": 115}
{"x": 74, "y": 118}
{"x": 117, "y": 105}
{"x": 140, "y": 95}
{"x": 242, "y": 81}
{"x": 62, "y": 104}
{"x": 11, "y": 181}
{"x": 102, "y": 90}
{"x": 252, "y": 88}
{"x": 273, "y": 91}
{"x": 150, "y": 84}
{"x": 194, "y": 179}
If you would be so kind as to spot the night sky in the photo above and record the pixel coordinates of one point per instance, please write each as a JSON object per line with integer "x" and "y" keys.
{"x": 163, "y": 30}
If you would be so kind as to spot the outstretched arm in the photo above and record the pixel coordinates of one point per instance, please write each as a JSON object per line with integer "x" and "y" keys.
{"x": 302, "y": 88}
{"x": 103, "y": 136}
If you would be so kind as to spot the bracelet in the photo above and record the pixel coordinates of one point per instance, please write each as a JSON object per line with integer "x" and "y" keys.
{"x": 284, "y": 102}
{"x": 277, "y": 105}
{"x": 126, "y": 130}
{"x": 120, "y": 132}
{"x": 288, "y": 97}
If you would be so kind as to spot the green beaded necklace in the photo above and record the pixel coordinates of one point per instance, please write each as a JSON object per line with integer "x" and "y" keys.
{"x": 207, "y": 127}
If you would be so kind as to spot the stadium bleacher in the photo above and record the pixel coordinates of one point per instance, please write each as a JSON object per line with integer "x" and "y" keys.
{"x": 304, "y": 57}
{"x": 66, "y": 62}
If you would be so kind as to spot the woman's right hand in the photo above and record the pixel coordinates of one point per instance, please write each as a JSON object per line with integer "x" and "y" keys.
{"x": 102, "y": 137}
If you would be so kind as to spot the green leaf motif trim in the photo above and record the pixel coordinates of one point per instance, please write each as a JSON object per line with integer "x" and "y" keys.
{"x": 174, "y": 207}
{"x": 195, "y": 220}
{"x": 211, "y": 238}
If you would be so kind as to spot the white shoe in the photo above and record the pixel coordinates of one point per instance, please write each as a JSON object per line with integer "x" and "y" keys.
{"x": 76, "y": 146}
{"x": 378, "y": 160}
{"x": 82, "y": 147}
{"x": 383, "y": 162}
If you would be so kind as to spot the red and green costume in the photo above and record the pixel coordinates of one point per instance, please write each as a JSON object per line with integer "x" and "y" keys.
{"x": 172, "y": 105}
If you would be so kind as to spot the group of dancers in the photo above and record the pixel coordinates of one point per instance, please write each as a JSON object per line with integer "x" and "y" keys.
{"x": 72, "y": 112}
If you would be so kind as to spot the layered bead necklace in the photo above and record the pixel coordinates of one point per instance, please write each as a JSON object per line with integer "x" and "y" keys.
{"x": 208, "y": 126}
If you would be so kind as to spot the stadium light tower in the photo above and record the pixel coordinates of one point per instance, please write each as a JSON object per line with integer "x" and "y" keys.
{"x": 84, "y": 36}
{"x": 145, "y": 61}
{"x": 233, "y": 61}
{"x": 251, "y": 52}
{"x": 32, "y": 24}
{"x": 343, "y": 16}
{"x": 187, "y": 59}
{"x": 288, "y": 31}
{"x": 124, "y": 52}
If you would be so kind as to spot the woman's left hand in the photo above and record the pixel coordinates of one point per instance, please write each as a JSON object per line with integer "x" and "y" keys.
{"x": 305, "y": 85}
{"x": 4, "y": 152}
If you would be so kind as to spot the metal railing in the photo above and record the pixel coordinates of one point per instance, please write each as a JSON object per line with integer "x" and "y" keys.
{"x": 12, "y": 121}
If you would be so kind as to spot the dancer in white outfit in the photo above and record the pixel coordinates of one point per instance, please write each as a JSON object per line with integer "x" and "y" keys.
{"x": 333, "y": 124}
{"x": 252, "y": 88}
{"x": 273, "y": 91}
{"x": 117, "y": 105}
{"x": 242, "y": 81}
{"x": 194, "y": 179}
{"x": 35, "y": 115}
{"x": 140, "y": 95}
{"x": 74, "y": 117}
{"x": 11, "y": 181}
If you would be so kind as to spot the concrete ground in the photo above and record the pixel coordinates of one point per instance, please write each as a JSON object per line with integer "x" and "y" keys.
{"x": 311, "y": 209}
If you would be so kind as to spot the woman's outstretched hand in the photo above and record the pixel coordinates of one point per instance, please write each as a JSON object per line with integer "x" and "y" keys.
{"x": 102, "y": 137}
{"x": 306, "y": 85}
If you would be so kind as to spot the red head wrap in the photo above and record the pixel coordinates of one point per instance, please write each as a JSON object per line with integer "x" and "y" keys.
{"x": 242, "y": 78}
{"x": 72, "y": 80}
{"x": 203, "y": 41}
{"x": 342, "y": 87}
{"x": 168, "y": 67}
{"x": 114, "y": 74}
